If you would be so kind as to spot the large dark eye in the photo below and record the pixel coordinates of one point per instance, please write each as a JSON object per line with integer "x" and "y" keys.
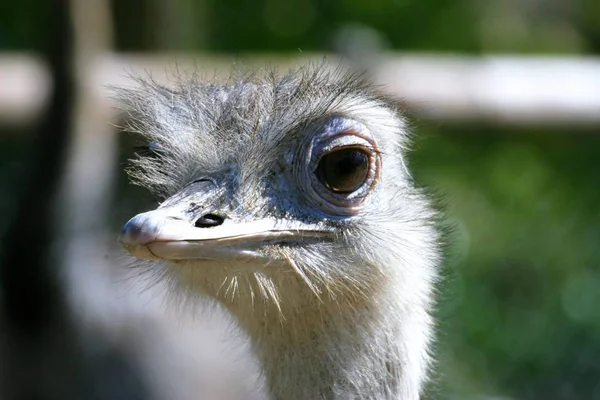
{"x": 343, "y": 171}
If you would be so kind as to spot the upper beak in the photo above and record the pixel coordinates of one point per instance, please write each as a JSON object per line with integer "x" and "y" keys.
{"x": 171, "y": 232}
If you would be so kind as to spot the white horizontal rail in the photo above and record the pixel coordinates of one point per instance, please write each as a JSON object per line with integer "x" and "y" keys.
{"x": 503, "y": 89}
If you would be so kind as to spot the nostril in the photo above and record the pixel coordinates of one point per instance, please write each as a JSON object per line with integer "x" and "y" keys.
{"x": 208, "y": 221}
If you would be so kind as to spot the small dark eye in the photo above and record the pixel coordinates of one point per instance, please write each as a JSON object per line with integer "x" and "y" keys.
{"x": 150, "y": 149}
{"x": 343, "y": 171}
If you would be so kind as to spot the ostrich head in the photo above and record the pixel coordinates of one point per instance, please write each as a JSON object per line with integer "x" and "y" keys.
{"x": 288, "y": 200}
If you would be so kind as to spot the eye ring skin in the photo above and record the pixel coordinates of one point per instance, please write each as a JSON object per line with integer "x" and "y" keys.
{"x": 338, "y": 133}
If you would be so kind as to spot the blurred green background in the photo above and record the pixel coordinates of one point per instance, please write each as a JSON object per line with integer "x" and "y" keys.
{"x": 519, "y": 310}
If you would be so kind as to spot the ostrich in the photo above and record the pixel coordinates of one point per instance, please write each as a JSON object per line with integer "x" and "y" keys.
{"x": 288, "y": 201}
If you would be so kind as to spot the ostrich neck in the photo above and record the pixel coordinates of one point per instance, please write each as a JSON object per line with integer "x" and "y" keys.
{"x": 345, "y": 347}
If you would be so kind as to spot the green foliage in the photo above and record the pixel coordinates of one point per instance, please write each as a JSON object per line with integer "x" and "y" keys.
{"x": 551, "y": 26}
{"x": 519, "y": 313}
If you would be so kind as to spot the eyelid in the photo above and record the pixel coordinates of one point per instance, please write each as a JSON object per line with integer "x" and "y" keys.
{"x": 344, "y": 141}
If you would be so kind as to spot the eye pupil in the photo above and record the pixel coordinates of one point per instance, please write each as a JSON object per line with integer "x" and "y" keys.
{"x": 343, "y": 171}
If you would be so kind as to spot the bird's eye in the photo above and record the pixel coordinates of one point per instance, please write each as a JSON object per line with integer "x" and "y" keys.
{"x": 150, "y": 149}
{"x": 344, "y": 170}
{"x": 337, "y": 166}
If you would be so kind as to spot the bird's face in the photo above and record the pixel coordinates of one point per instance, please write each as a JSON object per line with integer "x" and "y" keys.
{"x": 274, "y": 183}
{"x": 299, "y": 199}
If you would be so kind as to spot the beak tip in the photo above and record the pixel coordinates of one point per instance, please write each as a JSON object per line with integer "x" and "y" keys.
{"x": 138, "y": 231}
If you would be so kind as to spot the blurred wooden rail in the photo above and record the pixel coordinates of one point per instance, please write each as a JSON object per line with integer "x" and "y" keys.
{"x": 493, "y": 89}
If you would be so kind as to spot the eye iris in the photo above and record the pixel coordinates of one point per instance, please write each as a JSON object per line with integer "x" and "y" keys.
{"x": 343, "y": 171}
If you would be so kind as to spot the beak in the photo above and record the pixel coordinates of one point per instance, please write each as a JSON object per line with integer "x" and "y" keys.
{"x": 186, "y": 227}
